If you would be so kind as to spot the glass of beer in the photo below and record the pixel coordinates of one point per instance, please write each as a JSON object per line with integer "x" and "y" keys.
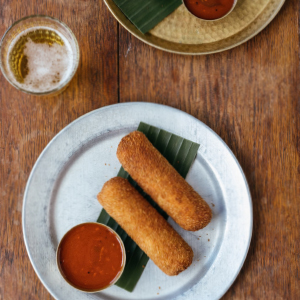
{"x": 39, "y": 55}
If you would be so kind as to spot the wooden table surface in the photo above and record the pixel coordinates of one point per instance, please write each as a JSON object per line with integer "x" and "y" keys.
{"x": 248, "y": 95}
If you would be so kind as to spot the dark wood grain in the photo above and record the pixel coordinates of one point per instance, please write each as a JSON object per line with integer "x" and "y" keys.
{"x": 248, "y": 95}
{"x": 28, "y": 123}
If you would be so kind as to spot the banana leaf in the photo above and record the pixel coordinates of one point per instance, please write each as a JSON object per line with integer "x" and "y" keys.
{"x": 147, "y": 14}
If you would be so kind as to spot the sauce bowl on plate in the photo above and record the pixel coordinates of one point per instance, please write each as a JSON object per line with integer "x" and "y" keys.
{"x": 91, "y": 257}
{"x": 210, "y": 10}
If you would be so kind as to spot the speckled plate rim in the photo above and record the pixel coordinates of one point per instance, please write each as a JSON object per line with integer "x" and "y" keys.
{"x": 240, "y": 37}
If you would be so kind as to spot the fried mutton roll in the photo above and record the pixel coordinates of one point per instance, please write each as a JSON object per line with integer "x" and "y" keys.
{"x": 158, "y": 178}
{"x": 145, "y": 226}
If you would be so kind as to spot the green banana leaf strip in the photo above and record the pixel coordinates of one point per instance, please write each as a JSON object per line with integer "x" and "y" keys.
{"x": 147, "y": 14}
{"x": 180, "y": 153}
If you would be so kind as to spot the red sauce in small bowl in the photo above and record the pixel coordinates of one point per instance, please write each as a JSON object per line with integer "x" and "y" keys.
{"x": 209, "y": 9}
{"x": 91, "y": 257}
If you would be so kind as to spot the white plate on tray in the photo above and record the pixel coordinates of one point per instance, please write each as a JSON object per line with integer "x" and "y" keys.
{"x": 62, "y": 188}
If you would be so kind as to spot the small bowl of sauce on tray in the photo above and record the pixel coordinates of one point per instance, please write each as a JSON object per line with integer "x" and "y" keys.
{"x": 91, "y": 257}
{"x": 210, "y": 10}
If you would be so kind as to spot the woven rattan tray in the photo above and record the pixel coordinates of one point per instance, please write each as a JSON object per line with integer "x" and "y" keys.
{"x": 182, "y": 33}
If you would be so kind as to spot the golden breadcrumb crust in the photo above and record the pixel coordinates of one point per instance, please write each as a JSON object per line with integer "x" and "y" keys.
{"x": 162, "y": 182}
{"x": 145, "y": 226}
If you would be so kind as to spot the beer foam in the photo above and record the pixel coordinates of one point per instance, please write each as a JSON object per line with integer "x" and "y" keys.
{"x": 49, "y": 65}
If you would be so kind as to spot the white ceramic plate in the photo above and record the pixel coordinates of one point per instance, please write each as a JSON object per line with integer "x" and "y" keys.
{"x": 62, "y": 188}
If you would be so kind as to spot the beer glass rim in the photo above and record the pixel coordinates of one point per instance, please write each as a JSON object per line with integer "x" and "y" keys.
{"x": 64, "y": 83}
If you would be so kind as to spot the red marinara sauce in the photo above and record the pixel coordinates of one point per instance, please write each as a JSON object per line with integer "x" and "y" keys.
{"x": 90, "y": 257}
{"x": 209, "y": 9}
